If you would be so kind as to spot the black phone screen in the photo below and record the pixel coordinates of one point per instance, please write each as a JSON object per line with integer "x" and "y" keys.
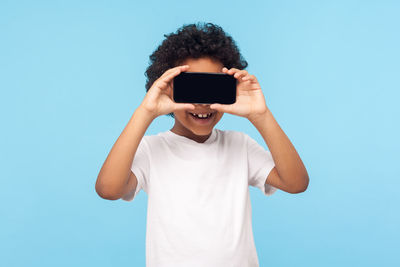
{"x": 204, "y": 88}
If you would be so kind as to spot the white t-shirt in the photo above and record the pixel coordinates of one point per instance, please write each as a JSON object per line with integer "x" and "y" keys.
{"x": 199, "y": 209}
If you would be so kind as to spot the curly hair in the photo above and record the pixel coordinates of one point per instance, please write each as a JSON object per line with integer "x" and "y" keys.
{"x": 193, "y": 41}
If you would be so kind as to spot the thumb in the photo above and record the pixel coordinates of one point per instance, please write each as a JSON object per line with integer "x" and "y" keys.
{"x": 219, "y": 107}
{"x": 183, "y": 106}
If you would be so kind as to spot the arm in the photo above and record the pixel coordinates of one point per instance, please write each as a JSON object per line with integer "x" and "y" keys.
{"x": 289, "y": 173}
{"x": 115, "y": 177}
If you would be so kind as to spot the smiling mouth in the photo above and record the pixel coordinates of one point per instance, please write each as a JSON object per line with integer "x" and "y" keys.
{"x": 202, "y": 116}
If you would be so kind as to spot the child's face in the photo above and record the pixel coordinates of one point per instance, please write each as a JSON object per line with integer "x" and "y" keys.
{"x": 185, "y": 123}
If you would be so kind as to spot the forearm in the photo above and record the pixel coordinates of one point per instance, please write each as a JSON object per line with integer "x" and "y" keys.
{"x": 288, "y": 163}
{"x": 114, "y": 173}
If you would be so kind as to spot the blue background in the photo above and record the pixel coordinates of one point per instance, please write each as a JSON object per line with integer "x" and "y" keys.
{"x": 72, "y": 74}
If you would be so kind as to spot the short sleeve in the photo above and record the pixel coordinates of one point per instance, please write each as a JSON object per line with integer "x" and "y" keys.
{"x": 260, "y": 164}
{"x": 140, "y": 167}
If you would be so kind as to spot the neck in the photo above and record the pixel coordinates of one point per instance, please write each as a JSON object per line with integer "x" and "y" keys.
{"x": 182, "y": 130}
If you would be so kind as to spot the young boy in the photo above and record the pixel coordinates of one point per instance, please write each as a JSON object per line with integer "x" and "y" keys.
{"x": 197, "y": 177}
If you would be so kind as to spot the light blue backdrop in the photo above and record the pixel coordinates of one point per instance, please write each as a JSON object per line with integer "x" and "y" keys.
{"x": 72, "y": 73}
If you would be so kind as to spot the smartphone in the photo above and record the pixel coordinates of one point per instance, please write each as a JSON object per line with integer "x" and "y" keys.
{"x": 204, "y": 88}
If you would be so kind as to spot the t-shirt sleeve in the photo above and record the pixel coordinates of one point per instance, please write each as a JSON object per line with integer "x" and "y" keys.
{"x": 141, "y": 168}
{"x": 260, "y": 164}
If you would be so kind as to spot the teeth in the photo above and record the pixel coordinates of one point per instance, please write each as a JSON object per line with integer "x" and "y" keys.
{"x": 202, "y": 115}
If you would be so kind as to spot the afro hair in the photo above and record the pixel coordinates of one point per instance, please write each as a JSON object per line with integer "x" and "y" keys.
{"x": 193, "y": 41}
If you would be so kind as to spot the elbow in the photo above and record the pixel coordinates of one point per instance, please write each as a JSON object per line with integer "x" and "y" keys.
{"x": 105, "y": 192}
{"x": 107, "y": 195}
{"x": 301, "y": 186}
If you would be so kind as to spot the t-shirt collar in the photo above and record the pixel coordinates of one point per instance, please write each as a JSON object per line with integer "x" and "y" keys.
{"x": 187, "y": 140}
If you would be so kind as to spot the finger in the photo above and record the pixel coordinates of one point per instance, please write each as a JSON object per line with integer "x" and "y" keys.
{"x": 248, "y": 77}
{"x": 174, "y": 73}
{"x": 251, "y": 78}
{"x": 178, "y": 69}
{"x": 173, "y": 70}
{"x": 184, "y": 106}
{"x": 221, "y": 107}
{"x": 232, "y": 71}
{"x": 240, "y": 74}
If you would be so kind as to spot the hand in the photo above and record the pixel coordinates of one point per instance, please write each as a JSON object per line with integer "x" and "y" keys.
{"x": 250, "y": 101}
{"x": 158, "y": 100}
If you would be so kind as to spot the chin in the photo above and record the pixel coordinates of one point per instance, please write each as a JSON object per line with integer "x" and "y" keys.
{"x": 204, "y": 131}
{"x": 186, "y": 120}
